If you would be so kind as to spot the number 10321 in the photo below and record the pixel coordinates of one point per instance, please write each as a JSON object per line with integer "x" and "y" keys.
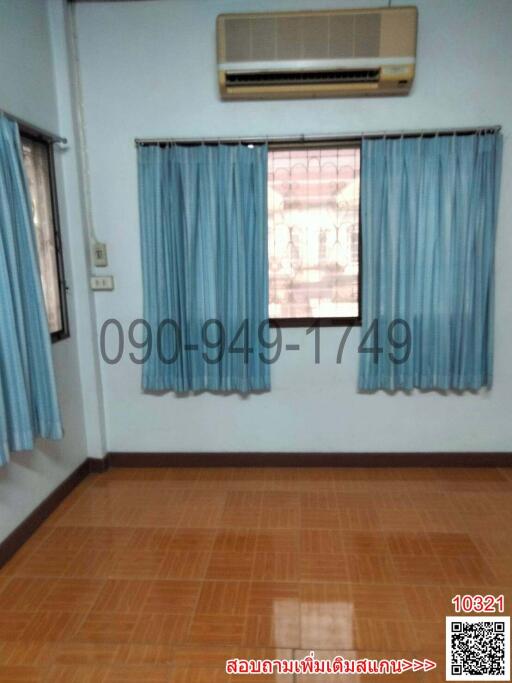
{"x": 485, "y": 604}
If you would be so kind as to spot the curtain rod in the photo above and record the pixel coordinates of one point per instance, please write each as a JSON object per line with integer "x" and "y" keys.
{"x": 51, "y": 137}
{"x": 317, "y": 138}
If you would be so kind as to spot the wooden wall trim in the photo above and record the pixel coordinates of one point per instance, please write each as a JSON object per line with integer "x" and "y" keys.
{"x": 98, "y": 465}
{"x": 249, "y": 459}
{"x": 284, "y": 459}
{"x": 30, "y": 524}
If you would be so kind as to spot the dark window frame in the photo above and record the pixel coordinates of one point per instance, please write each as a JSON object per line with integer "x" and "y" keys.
{"x": 336, "y": 321}
{"x": 28, "y": 133}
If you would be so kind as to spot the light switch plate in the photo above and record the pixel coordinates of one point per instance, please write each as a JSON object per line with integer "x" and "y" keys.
{"x": 102, "y": 283}
{"x": 100, "y": 258}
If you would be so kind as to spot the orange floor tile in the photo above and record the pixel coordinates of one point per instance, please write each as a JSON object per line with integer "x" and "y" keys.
{"x": 159, "y": 576}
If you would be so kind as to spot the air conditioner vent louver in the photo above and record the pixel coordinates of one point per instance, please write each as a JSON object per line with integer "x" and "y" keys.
{"x": 304, "y": 77}
{"x": 317, "y": 53}
{"x": 302, "y": 37}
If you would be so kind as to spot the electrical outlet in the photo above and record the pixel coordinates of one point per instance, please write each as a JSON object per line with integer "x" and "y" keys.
{"x": 102, "y": 283}
{"x": 100, "y": 257}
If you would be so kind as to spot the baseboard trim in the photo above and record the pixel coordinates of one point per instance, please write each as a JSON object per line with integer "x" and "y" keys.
{"x": 296, "y": 459}
{"x": 24, "y": 531}
{"x": 98, "y": 465}
{"x": 30, "y": 524}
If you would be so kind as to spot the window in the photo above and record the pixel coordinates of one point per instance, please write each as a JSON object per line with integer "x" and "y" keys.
{"x": 314, "y": 243}
{"x": 39, "y": 169}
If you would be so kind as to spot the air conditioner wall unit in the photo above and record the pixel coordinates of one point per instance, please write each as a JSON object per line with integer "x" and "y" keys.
{"x": 331, "y": 53}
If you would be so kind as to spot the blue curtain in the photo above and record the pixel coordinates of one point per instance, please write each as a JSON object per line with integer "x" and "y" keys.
{"x": 28, "y": 398}
{"x": 429, "y": 210}
{"x": 203, "y": 218}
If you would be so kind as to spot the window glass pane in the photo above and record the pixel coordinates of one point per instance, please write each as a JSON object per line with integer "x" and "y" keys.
{"x": 36, "y": 162}
{"x": 313, "y": 205}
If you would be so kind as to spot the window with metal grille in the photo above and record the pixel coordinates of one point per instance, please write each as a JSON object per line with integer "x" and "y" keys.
{"x": 39, "y": 170}
{"x": 314, "y": 234}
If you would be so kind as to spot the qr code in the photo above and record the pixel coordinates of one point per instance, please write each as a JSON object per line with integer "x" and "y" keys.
{"x": 478, "y": 648}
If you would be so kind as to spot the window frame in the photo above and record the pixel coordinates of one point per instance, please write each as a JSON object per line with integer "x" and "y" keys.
{"x": 26, "y": 132}
{"x": 332, "y": 321}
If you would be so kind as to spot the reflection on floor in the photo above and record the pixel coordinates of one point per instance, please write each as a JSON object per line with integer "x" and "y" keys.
{"x": 161, "y": 575}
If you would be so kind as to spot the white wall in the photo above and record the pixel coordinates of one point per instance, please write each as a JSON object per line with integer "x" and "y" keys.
{"x": 31, "y": 89}
{"x": 148, "y": 70}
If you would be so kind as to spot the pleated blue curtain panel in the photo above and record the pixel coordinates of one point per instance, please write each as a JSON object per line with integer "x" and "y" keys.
{"x": 28, "y": 397}
{"x": 429, "y": 207}
{"x": 203, "y": 218}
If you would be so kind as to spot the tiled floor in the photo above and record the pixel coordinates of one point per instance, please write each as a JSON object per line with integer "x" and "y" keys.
{"x": 159, "y": 576}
